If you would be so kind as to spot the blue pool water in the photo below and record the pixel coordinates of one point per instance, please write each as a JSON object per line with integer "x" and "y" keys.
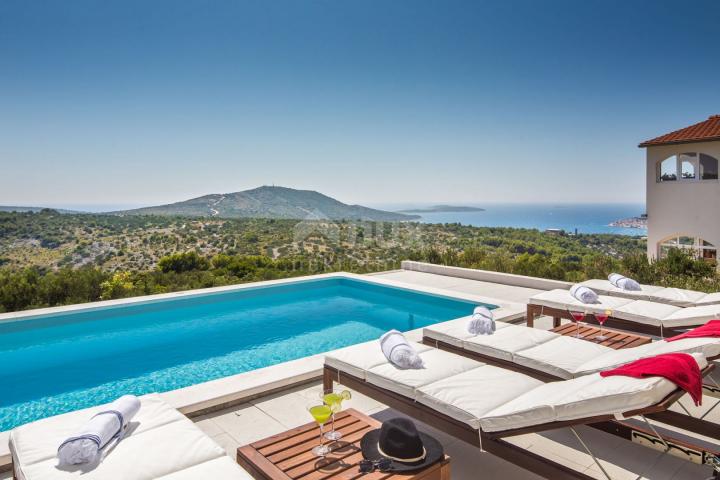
{"x": 50, "y": 365}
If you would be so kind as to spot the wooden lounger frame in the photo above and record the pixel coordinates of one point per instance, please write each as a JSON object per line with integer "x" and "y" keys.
{"x": 493, "y": 442}
{"x": 669, "y": 417}
{"x": 535, "y": 310}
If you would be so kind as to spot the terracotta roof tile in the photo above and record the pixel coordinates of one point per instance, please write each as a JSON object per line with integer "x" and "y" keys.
{"x": 700, "y": 132}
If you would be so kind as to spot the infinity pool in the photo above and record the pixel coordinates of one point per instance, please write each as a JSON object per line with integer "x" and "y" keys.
{"x": 53, "y": 364}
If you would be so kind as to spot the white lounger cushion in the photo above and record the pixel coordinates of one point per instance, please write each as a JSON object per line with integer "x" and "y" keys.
{"x": 709, "y": 347}
{"x": 677, "y": 296}
{"x": 583, "y": 397}
{"x": 499, "y": 399}
{"x": 39, "y": 440}
{"x": 358, "y": 359}
{"x": 454, "y": 332}
{"x": 690, "y": 316}
{"x": 470, "y": 395}
{"x": 645, "y": 312}
{"x": 503, "y": 344}
{"x": 639, "y": 311}
{"x": 223, "y": 468}
{"x": 709, "y": 299}
{"x": 604, "y": 287}
{"x": 438, "y": 365}
{"x": 162, "y": 441}
{"x": 561, "y": 356}
{"x": 561, "y": 299}
{"x": 578, "y": 398}
{"x": 672, "y": 296}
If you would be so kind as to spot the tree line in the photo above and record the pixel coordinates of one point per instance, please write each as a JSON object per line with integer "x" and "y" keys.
{"x": 34, "y": 287}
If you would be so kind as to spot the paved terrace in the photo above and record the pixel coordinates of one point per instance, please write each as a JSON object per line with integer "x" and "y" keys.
{"x": 264, "y": 414}
{"x": 271, "y": 414}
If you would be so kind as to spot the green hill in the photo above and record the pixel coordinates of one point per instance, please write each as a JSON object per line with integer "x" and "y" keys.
{"x": 270, "y": 202}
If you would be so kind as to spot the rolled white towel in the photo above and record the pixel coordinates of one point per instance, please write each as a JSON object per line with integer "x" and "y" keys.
{"x": 584, "y": 294}
{"x": 614, "y": 277}
{"x": 110, "y": 423}
{"x": 624, "y": 282}
{"x": 482, "y": 322}
{"x": 399, "y": 352}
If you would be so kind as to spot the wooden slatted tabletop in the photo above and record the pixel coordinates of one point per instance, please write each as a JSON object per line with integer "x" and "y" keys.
{"x": 288, "y": 456}
{"x": 616, "y": 338}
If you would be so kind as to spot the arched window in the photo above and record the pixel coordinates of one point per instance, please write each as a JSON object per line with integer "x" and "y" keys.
{"x": 688, "y": 167}
{"x": 687, "y": 163}
{"x": 701, "y": 248}
{"x": 708, "y": 167}
{"x": 667, "y": 170}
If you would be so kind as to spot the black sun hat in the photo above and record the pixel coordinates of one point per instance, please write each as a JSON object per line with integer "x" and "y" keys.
{"x": 399, "y": 441}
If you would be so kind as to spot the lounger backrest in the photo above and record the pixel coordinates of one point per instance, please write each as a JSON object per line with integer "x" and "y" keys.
{"x": 604, "y": 287}
{"x": 653, "y": 293}
{"x": 583, "y": 397}
{"x": 644, "y": 311}
{"x": 640, "y": 311}
{"x": 709, "y": 347}
{"x": 695, "y": 315}
{"x": 562, "y": 299}
{"x": 161, "y": 442}
{"x": 709, "y": 299}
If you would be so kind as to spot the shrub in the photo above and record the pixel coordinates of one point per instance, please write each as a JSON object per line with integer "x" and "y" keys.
{"x": 183, "y": 262}
{"x": 119, "y": 286}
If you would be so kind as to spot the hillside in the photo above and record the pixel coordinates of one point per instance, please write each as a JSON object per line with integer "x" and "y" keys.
{"x": 49, "y": 259}
{"x": 270, "y": 202}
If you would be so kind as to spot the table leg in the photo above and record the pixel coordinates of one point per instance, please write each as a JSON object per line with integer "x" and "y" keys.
{"x": 327, "y": 381}
{"x": 530, "y": 316}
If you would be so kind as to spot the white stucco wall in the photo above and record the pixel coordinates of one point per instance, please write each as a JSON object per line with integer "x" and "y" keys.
{"x": 689, "y": 208}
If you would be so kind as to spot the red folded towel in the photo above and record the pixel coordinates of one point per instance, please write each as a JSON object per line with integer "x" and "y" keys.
{"x": 710, "y": 329}
{"x": 679, "y": 368}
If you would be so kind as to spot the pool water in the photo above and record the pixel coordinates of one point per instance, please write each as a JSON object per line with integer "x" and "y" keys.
{"x": 54, "y": 364}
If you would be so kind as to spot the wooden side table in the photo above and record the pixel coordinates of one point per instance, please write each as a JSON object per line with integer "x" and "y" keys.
{"x": 616, "y": 338}
{"x": 287, "y": 455}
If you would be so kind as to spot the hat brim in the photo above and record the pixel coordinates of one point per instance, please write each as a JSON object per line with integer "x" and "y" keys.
{"x": 433, "y": 451}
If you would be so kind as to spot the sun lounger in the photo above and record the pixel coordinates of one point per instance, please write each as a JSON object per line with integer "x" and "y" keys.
{"x": 483, "y": 404}
{"x": 549, "y": 356}
{"x": 652, "y": 293}
{"x": 161, "y": 444}
{"x": 634, "y": 315}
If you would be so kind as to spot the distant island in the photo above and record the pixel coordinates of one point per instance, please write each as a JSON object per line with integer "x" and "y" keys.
{"x": 443, "y": 209}
{"x": 9, "y": 208}
{"x": 270, "y": 202}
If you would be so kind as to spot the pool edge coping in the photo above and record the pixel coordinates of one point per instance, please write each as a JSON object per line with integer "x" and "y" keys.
{"x": 161, "y": 297}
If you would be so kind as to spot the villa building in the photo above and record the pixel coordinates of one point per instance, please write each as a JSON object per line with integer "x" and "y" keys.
{"x": 683, "y": 190}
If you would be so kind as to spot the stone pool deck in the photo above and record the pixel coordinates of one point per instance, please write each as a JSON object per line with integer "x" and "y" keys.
{"x": 254, "y": 405}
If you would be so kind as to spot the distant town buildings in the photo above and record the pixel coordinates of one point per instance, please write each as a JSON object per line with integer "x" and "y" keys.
{"x": 683, "y": 190}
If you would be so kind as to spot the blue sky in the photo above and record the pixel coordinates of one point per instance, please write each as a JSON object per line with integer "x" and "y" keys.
{"x": 374, "y": 102}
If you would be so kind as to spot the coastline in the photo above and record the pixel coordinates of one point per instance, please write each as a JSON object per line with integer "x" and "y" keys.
{"x": 585, "y": 218}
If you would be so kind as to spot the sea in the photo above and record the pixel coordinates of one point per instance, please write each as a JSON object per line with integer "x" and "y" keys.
{"x": 583, "y": 218}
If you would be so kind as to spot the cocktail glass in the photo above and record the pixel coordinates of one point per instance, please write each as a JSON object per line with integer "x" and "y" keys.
{"x": 577, "y": 316}
{"x": 321, "y": 413}
{"x": 334, "y": 400}
{"x": 602, "y": 318}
